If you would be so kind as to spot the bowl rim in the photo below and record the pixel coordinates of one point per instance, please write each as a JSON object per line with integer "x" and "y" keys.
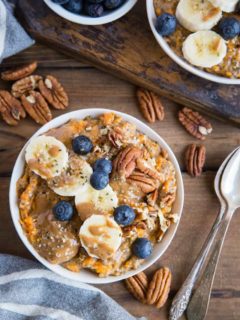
{"x": 91, "y": 21}
{"x": 180, "y": 61}
{"x": 93, "y": 278}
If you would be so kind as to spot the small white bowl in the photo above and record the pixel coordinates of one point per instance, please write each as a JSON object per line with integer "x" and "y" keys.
{"x": 82, "y": 19}
{"x": 85, "y": 275}
{"x": 180, "y": 61}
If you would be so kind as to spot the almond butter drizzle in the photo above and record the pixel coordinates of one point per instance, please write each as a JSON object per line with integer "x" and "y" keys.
{"x": 54, "y": 151}
{"x": 34, "y": 165}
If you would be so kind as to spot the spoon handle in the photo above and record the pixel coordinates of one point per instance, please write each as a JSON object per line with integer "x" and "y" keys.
{"x": 199, "y": 302}
{"x": 181, "y": 300}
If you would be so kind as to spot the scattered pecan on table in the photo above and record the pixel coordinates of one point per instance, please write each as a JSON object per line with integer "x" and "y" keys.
{"x": 195, "y": 159}
{"x": 137, "y": 286}
{"x": 159, "y": 287}
{"x": 154, "y": 292}
{"x": 36, "y": 107}
{"x": 53, "y": 92}
{"x": 20, "y": 72}
{"x": 25, "y": 85}
{"x": 150, "y": 105}
{"x": 194, "y": 123}
{"x": 10, "y": 108}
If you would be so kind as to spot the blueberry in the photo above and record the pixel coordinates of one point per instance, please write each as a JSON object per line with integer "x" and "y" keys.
{"x": 99, "y": 180}
{"x": 229, "y": 28}
{"x": 112, "y": 4}
{"x": 142, "y": 248}
{"x": 103, "y": 165}
{"x": 124, "y": 215}
{"x": 82, "y": 145}
{"x": 166, "y": 24}
{"x": 74, "y": 6}
{"x": 60, "y": 1}
{"x": 94, "y": 10}
{"x": 63, "y": 211}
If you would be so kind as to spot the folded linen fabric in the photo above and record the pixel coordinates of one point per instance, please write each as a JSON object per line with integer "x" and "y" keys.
{"x": 29, "y": 291}
{"x": 13, "y": 37}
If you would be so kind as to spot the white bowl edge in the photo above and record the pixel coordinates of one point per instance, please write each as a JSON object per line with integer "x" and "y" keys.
{"x": 84, "y": 275}
{"x": 181, "y": 62}
{"x": 80, "y": 19}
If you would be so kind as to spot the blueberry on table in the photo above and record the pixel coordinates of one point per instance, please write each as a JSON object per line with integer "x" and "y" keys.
{"x": 229, "y": 28}
{"x": 99, "y": 180}
{"x": 74, "y": 6}
{"x": 142, "y": 248}
{"x": 103, "y": 165}
{"x": 124, "y": 215}
{"x": 63, "y": 211}
{"x": 166, "y": 24}
{"x": 112, "y": 4}
{"x": 82, "y": 145}
{"x": 60, "y": 1}
{"x": 94, "y": 10}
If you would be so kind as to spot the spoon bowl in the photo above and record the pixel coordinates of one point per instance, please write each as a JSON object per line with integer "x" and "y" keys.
{"x": 230, "y": 182}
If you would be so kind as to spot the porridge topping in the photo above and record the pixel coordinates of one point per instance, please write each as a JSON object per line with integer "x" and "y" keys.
{"x": 101, "y": 236}
{"x": 46, "y": 156}
{"x": 196, "y": 15}
{"x": 86, "y": 202}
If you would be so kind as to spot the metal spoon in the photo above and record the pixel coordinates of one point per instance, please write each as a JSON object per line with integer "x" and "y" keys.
{"x": 230, "y": 187}
{"x": 181, "y": 300}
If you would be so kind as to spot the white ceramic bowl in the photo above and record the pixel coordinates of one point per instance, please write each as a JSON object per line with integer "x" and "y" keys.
{"x": 84, "y": 275}
{"x": 180, "y": 61}
{"x": 82, "y": 19}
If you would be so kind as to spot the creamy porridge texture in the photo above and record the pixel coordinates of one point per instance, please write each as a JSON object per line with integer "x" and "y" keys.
{"x": 229, "y": 66}
{"x": 96, "y": 194}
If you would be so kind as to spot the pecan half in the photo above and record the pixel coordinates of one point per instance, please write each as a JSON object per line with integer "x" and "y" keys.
{"x": 53, "y": 92}
{"x": 150, "y": 105}
{"x": 137, "y": 286}
{"x": 115, "y": 137}
{"x": 25, "y": 85}
{"x": 10, "y": 108}
{"x": 125, "y": 161}
{"x": 143, "y": 181}
{"x": 194, "y": 123}
{"x": 144, "y": 167}
{"x": 159, "y": 287}
{"x": 152, "y": 197}
{"x": 37, "y": 107}
{"x": 195, "y": 159}
{"x": 19, "y": 73}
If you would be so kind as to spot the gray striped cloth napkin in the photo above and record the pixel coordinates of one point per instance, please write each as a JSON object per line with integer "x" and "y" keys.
{"x": 29, "y": 291}
{"x": 13, "y": 37}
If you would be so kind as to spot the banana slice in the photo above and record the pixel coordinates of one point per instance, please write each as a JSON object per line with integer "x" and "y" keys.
{"x": 93, "y": 201}
{"x": 225, "y": 5}
{"x": 204, "y": 49}
{"x": 73, "y": 180}
{"x": 195, "y": 15}
{"x": 46, "y": 156}
{"x": 100, "y": 236}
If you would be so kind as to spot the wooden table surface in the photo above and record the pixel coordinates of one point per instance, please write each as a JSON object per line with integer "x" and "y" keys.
{"x": 88, "y": 87}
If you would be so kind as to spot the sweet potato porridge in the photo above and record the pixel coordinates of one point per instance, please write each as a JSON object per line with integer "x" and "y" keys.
{"x": 96, "y": 194}
{"x": 206, "y": 33}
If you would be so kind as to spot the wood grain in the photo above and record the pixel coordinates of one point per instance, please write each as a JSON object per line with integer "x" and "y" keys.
{"x": 127, "y": 49}
{"x": 88, "y": 87}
